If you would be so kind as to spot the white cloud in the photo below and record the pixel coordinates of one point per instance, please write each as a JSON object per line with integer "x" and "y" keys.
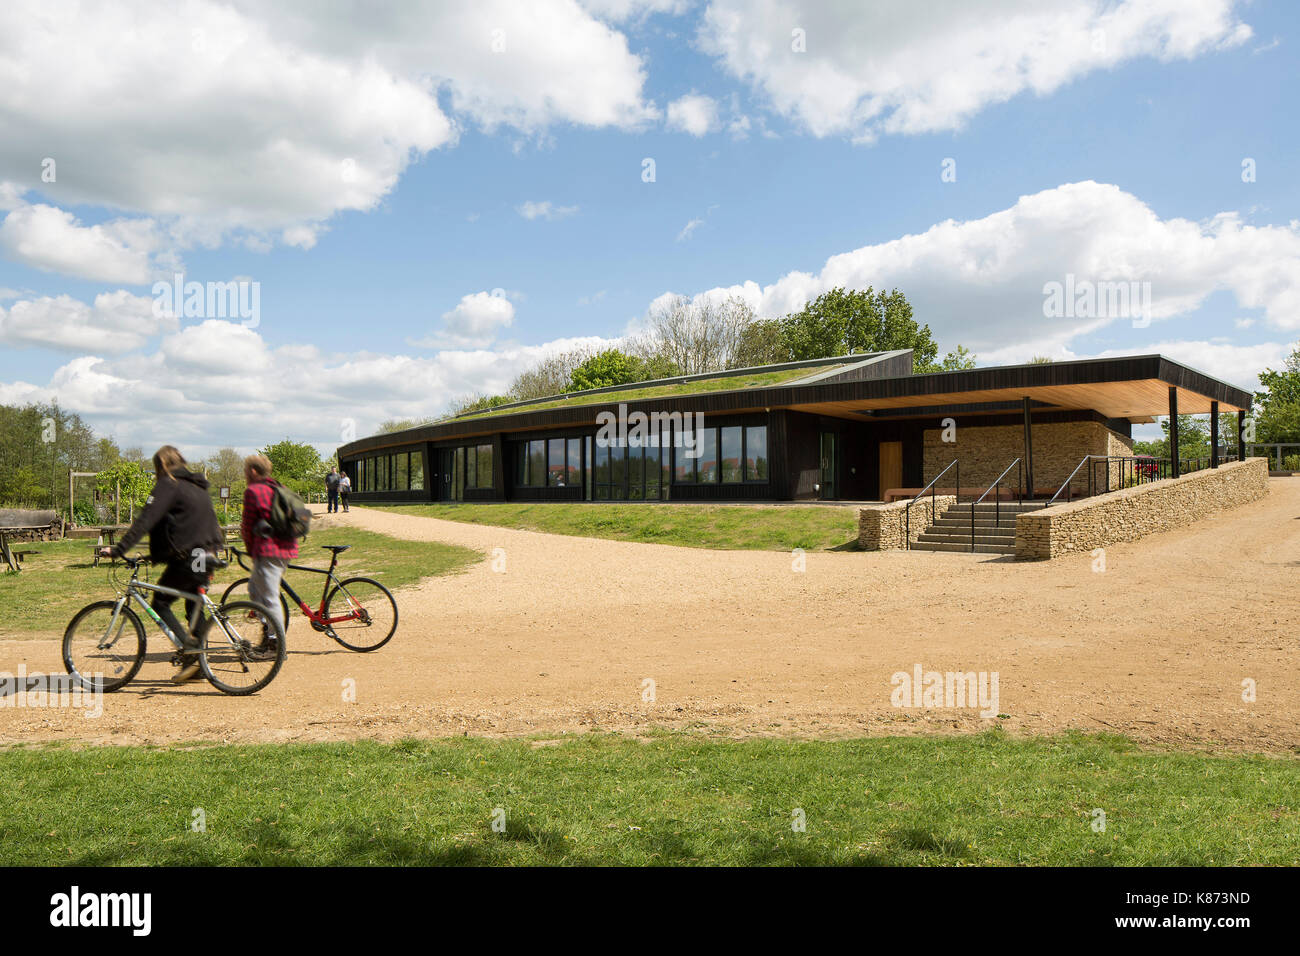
{"x": 621, "y": 11}
{"x": 475, "y": 322}
{"x": 693, "y": 113}
{"x": 980, "y": 282}
{"x": 869, "y": 69}
{"x": 270, "y": 118}
{"x": 591, "y": 299}
{"x": 544, "y": 210}
{"x": 689, "y": 228}
{"x": 52, "y": 240}
{"x": 118, "y": 322}
{"x": 164, "y": 397}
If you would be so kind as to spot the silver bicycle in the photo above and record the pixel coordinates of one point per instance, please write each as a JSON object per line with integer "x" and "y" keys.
{"x": 240, "y": 652}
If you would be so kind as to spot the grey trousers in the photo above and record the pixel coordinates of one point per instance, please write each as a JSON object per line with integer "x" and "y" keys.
{"x": 264, "y": 585}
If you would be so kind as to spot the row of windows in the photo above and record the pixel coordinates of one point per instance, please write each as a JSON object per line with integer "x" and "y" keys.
{"x": 399, "y": 471}
{"x": 548, "y": 463}
{"x": 731, "y": 454}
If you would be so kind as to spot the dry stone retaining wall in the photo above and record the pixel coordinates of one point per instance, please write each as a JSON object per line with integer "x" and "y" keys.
{"x": 1136, "y": 512}
{"x": 884, "y": 527}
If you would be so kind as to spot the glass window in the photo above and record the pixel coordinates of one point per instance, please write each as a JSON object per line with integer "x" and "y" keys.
{"x": 484, "y": 455}
{"x": 402, "y": 475}
{"x": 586, "y": 475}
{"x": 636, "y": 473}
{"x": 730, "y": 453}
{"x": 555, "y": 463}
{"x": 471, "y": 469}
{"x": 618, "y": 472}
{"x": 537, "y": 463}
{"x": 652, "y": 472}
{"x": 708, "y": 460}
{"x": 417, "y": 471}
{"x": 756, "y": 453}
{"x": 520, "y": 450}
{"x": 573, "y": 463}
{"x": 458, "y": 475}
{"x": 683, "y": 465}
{"x": 602, "y": 466}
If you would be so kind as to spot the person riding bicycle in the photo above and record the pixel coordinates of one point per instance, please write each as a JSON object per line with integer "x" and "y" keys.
{"x": 184, "y": 534}
{"x": 271, "y": 555}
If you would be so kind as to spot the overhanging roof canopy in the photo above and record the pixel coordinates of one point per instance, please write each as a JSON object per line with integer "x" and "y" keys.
{"x": 1129, "y": 387}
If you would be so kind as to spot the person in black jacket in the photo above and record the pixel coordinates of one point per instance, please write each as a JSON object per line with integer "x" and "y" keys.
{"x": 184, "y": 535}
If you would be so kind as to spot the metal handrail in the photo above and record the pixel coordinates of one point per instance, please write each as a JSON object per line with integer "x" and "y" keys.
{"x": 997, "y": 500}
{"x": 1086, "y": 459}
{"x": 907, "y": 511}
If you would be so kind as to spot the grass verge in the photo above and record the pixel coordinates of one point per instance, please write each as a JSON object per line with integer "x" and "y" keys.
{"x": 723, "y": 527}
{"x": 674, "y": 799}
{"x": 55, "y": 584}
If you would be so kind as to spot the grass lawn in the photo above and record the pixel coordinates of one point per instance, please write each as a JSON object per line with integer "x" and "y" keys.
{"x": 59, "y": 581}
{"x": 675, "y": 798}
{"x": 726, "y": 527}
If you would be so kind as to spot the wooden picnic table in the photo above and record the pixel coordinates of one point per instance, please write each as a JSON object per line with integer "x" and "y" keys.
{"x": 14, "y": 559}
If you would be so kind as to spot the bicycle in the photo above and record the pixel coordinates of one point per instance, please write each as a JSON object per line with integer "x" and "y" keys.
{"x": 365, "y": 607}
{"x": 102, "y": 653}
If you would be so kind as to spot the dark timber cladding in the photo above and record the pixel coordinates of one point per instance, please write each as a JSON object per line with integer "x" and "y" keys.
{"x": 843, "y": 428}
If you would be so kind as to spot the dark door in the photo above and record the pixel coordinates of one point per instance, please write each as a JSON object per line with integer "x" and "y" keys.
{"x": 829, "y": 465}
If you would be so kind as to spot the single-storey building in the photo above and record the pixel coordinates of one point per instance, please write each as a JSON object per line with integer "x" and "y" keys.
{"x": 852, "y": 427}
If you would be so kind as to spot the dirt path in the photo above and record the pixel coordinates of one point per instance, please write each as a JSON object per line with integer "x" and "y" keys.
{"x": 563, "y": 638}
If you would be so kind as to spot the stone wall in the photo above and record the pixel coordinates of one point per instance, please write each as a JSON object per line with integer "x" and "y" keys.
{"x": 1136, "y": 512}
{"x": 984, "y": 451}
{"x": 884, "y": 527}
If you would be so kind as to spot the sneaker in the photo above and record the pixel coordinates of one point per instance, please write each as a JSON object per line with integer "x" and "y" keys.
{"x": 268, "y": 650}
{"x": 188, "y": 671}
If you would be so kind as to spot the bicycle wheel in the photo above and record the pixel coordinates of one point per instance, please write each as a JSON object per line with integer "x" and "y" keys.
{"x": 100, "y": 652}
{"x": 248, "y": 657}
{"x": 368, "y": 612}
{"x": 239, "y": 592}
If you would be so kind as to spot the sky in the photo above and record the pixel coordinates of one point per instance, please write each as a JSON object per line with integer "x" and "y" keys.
{"x": 416, "y": 202}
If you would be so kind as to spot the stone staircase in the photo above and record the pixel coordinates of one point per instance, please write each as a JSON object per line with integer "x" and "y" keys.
{"x": 952, "y": 531}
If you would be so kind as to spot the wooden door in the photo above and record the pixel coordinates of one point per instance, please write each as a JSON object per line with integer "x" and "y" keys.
{"x": 891, "y": 466}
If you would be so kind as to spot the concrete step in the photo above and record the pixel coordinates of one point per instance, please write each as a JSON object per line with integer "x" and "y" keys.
{"x": 979, "y": 548}
{"x": 1008, "y": 524}
{"x": 965, "y": 507}
{"x": 965, "y": 539}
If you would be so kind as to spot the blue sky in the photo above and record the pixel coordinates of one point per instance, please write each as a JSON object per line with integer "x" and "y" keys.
{"x": 376, "y": 180}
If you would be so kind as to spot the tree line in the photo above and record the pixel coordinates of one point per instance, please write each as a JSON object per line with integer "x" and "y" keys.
{"x": 686, "y": 337}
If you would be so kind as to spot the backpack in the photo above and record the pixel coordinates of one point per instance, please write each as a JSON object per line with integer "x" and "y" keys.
{"x": 290, "y": 516}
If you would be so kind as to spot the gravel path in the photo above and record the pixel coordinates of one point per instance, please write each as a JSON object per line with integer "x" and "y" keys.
{"x": 561, "y": 634}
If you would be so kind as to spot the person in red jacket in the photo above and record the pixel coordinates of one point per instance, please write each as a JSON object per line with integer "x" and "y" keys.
{"x": 270, "y": 555}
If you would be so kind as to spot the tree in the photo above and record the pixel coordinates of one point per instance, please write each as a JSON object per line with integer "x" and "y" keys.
{"x": 958, "y": 359}
{"x": 399, "y": 425}
{"x": 613, "y": 367}
{"x": 296, "y": 461}
{"x": 841, "y": 321}
{"x": 477, "y": 403}
{"x": 760, "y": 343}
{"x": 1277, "y": 418}
{"x": 132, "y": 477}
{"x": 550, "y": 376}
{"x": 695, "y": 336}
{"x": 1041, "y": 360}
{"x": 1193, "y": 439}
{"x": 225, "y": 467}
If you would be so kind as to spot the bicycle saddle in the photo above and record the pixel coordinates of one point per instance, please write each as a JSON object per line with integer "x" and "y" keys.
{"x": 336, "y": 548}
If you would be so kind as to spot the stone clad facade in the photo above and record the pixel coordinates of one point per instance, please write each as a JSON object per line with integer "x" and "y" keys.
{"x": 885, "y": 527}
{"x": 1133, "y": 513}
{"x": 984, "y": 451}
